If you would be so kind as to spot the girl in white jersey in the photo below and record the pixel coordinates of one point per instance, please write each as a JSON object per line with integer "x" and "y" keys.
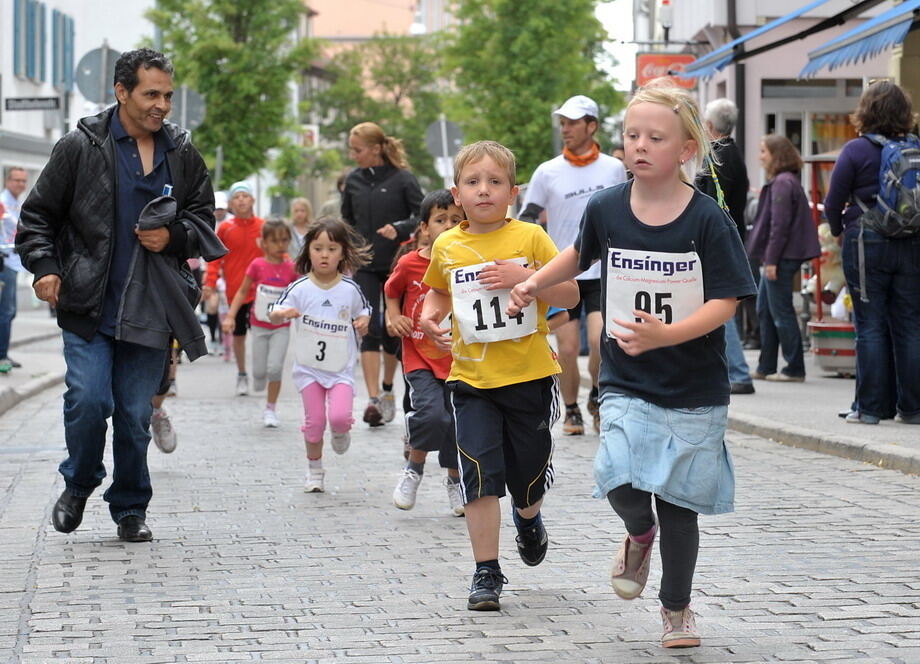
{"x": 673, "y": 268}
{"x": 328, "y": 310}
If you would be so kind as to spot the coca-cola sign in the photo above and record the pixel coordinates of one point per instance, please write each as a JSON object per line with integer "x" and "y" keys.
{"x": 654, "y": 65}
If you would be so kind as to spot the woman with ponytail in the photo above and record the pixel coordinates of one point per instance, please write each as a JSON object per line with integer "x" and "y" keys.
{"x": 381, "y": 200}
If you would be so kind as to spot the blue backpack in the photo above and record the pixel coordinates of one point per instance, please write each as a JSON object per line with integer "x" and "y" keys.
{"x": 896, "y": 213}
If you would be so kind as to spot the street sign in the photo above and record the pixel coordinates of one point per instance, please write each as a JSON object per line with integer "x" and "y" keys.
{"x": 187, "y": 108}
{"x": 443, "y": 138}
{"x": 33, "y": 103}
{"x": 95, "y": 75}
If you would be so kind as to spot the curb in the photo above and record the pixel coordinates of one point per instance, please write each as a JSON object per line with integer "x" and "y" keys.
{"x": 10, "y": 396}
{"x": 890, "y": 456}
{"x": 42, "y": 336}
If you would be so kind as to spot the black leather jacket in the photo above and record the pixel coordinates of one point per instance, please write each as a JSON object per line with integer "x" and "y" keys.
{"x": 66, "y": 225}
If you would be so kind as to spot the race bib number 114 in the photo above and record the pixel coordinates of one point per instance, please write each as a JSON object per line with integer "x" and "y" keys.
{"x": 480, "y": 313}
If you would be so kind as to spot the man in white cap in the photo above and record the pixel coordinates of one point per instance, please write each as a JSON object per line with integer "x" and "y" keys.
{"x": 241, "y": 237}
{"x": 561, "y": 188}
{"x": 221, "y": 207}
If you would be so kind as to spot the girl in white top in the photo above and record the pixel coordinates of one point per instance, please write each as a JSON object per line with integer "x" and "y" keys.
{"x": 329, "y": 312}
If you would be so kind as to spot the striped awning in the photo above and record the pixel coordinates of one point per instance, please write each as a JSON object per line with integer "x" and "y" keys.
{"x": 723, "y": 56}
{"x": 864, "y": 41}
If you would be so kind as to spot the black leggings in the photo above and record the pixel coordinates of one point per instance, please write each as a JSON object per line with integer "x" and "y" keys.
{"x": 679, "y": 539}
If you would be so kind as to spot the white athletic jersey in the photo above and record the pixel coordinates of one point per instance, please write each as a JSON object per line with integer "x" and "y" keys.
{"x": 323, "y": 337}
{"x": 563, "y": 191}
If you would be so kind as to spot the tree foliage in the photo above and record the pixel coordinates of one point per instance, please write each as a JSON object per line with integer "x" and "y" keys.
{"x": 513, "y": 62}
{"x": 241, "y": 57}
{"x": 391, "y": 80}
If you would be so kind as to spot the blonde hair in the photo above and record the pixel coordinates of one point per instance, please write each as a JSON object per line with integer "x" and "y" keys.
{"x": 475, "y": 151}
{"x": 305, "y": 203}
{"x": 663, "y": 91}
{"x": 391, "y": 149}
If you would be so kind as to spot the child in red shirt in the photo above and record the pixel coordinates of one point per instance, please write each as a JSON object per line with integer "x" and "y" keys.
{"x": 429, "y": 423}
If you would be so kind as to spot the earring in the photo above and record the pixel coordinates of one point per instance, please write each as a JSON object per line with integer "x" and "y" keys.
{"x": 681, "y": 162}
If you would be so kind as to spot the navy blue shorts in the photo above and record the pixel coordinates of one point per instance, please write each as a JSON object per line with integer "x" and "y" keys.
{"x": 504, "y": 439}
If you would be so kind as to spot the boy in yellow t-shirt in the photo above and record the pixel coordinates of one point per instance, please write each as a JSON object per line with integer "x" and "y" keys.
{"x": 502, "y": 381}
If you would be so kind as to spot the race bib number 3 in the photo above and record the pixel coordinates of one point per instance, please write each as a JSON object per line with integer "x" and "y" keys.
{"x": 480, "y": 313}
{"x": 266, "y": 296}
{"x": 668, "y": 286}
{"x": 322, "y": 343}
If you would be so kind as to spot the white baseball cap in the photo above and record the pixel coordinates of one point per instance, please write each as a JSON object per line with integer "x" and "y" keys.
{"x": 577, "y": 107}
{"x": 220, "y": 200}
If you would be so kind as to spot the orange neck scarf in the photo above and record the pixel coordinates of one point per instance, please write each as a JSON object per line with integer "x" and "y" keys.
{"x": 582, "y": 159}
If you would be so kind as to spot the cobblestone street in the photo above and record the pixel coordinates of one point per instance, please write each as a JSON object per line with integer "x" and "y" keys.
{"x": 819, "y": 563}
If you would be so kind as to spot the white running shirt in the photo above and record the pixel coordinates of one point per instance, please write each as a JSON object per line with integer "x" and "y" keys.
{"x": 563, "y": 191}
{"x": 342, "y": 302}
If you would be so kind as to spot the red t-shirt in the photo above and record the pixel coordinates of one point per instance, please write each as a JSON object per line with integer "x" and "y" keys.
{"x": 418, "y": 351}
{"x": 240, "y": 237}
{"x": 276, "y": 276}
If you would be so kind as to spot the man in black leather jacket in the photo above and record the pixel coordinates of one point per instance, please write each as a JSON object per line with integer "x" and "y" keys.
{"x": 78, "y": 235}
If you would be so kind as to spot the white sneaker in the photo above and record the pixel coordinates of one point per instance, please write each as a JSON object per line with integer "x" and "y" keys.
{"x": 242, "y": 385}
{"x": 387, "y": 406}
{"x": 270, "y": 419}
{"x": 340, "y": 442}
{"x": 164, "y": 436}
{"x": 455, "y": 497}
{"x": 406, "y": 488}
{"x": 314, "y": 481}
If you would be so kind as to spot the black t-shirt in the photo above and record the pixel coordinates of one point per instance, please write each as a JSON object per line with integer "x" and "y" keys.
{"x": 695, "y": 373}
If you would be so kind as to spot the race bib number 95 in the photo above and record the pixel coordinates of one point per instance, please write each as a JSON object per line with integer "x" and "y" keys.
{"x": 667, "y": 285}
{"x": 480, "y": 313}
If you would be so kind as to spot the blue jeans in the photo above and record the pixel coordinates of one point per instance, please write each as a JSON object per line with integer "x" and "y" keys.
{"x": 779, "y": 326}
{"x": 7, "y": 308}
{"x": 888, "y": 325}
{"x": 107, "y": 378}
{"x": 738, "y": 370}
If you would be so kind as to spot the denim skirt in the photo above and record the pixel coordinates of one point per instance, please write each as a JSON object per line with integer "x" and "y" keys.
{"x": 676, "y": 453}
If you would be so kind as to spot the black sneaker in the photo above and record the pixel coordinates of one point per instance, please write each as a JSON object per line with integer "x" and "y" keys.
{"x": 485, "y": 589}
{"x": 532, "y": 543}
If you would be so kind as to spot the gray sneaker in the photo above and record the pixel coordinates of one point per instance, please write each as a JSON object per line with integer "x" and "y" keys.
{"x": 164, "y": 436}
{"x": 387, "y": 405}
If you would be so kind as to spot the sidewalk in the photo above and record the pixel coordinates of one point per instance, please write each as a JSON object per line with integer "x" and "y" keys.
{"x": 805, "y": 415}
{"x": 36, "y": 344}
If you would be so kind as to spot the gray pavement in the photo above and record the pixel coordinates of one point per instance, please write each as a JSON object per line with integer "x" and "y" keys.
{"x": 818, "y": 563}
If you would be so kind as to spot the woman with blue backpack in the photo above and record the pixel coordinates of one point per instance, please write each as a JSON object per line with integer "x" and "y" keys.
{"x": 874, "y": 201}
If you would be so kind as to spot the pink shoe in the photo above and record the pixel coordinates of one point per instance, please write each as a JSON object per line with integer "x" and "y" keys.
{"x": 630, "y": 567}
{"x": 679, "y": 629}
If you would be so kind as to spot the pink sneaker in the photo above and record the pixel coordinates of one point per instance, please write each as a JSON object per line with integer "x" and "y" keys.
{"x": 679, "y": 629}
{"x": 630, "y": 567}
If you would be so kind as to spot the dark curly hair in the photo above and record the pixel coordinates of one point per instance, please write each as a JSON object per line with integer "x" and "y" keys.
{"x": 131, "y": 61}
{"x": 355, "y": 252}
{"x": 884, "y": 108}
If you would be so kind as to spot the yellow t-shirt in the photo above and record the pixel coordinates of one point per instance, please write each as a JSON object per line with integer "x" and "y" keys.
{"x": 509, "y": 361}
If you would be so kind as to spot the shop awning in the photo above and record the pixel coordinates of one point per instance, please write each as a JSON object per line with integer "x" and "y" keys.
{"x": 732, "y": 52}
{"x": 720, "y": 58}
{"x": 866, "y": 40}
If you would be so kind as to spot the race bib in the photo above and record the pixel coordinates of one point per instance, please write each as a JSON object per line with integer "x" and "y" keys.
{"x": 668, "y": 286}
{"x": 266, "y": 296}
{"x": 322, "y": 343}
{"x": 480, "y": 313}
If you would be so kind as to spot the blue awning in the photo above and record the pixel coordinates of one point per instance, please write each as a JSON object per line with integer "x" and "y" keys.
{"x": 865, "y": 41}
{"x": 720, "y": 58}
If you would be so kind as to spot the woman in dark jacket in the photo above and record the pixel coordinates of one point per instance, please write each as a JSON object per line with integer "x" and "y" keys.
{"x": 381, "y": 200}
{"x": 783, "y": 237}
{"x": 887, "y": 315}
